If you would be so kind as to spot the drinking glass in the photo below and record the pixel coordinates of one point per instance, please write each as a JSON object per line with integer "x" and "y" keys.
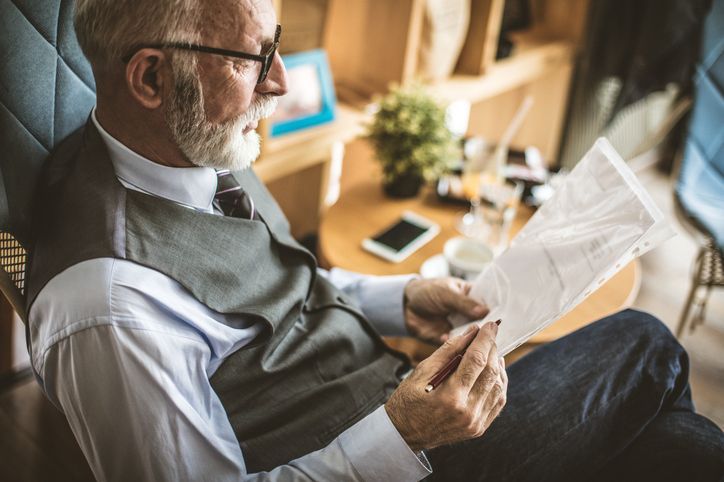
{"x": 485, "y": 187}
{"x": 499, "y": 212}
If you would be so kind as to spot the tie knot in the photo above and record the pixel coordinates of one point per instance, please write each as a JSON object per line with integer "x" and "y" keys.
{"x": 232, "y": 199}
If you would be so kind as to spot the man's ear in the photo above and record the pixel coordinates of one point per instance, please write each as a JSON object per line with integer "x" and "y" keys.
{"x": 147, "y": 75}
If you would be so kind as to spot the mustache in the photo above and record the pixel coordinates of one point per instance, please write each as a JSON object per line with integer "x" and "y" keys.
{"x": 261, "y": 107}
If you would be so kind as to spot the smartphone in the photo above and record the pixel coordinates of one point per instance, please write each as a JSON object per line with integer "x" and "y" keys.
{"x": 403, "y": 238}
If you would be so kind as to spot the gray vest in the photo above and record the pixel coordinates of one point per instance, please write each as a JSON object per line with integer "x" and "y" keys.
{"x": 318, "y": 367}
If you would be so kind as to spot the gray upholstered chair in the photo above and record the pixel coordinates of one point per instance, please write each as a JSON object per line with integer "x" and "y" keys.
{"x": 46, "y": 92}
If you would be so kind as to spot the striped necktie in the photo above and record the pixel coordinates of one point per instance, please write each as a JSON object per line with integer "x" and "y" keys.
{"x": 231, "y": 198}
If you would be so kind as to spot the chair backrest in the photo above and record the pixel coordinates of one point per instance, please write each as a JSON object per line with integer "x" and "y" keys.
{"x": 47, "y": 93}
{"x": 700, "y": 186}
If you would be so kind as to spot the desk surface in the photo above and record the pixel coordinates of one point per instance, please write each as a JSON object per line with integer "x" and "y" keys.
{"x": 364, "y": 210}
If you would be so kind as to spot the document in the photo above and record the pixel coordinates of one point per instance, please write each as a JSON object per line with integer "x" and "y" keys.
{"x": 598, "y": 220}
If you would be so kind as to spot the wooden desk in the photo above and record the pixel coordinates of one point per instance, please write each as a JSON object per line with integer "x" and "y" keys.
{"x": 364, "y": 210}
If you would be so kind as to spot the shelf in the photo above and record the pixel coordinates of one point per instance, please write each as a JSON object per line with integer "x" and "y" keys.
{"x": 535, "y": 56}
{"x": 372, "y": 44}
{"x": 299, "y": 150}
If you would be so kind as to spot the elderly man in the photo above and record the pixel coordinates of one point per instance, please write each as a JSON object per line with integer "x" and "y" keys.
{"x": 186, "y": 336}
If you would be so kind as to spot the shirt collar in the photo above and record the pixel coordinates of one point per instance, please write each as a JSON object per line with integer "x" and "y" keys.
{"x": 191, "y": 186}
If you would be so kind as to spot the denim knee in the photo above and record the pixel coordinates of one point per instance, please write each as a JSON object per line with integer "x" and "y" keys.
{"x": 647, "y": 338}
{"x": 642, "y": 326}
{"x": 647, "y": 325}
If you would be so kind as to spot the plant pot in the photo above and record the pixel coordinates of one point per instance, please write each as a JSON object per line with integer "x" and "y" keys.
{"x": 405, "y": 186}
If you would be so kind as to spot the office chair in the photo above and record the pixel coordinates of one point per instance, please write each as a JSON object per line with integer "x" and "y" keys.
{"x": 699, "y": 193}
{"x": 46, "y": 93}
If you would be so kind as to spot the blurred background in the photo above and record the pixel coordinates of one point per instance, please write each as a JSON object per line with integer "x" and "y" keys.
{"x": 532, "y": 83}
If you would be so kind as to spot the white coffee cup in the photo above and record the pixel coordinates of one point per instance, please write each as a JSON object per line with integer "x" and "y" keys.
{"x": 466, "y": 257}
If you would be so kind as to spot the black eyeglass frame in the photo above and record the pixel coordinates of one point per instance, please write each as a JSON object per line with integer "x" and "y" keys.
{"x": 266, "y": 59}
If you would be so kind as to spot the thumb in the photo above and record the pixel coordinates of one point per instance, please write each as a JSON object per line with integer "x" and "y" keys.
{"x": 466, "y": 306}
{"x": 453, "y": 346}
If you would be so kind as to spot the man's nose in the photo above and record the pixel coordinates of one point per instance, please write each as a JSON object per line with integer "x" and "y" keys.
{"x": 276, "y": 80}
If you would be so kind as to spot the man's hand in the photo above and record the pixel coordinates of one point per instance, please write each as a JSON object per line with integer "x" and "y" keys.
{"x": 464, "y": 405}
{"x": 428, "y": 302}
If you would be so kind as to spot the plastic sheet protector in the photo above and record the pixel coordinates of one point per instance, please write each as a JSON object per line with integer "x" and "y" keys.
{"x": 598, "y": 220}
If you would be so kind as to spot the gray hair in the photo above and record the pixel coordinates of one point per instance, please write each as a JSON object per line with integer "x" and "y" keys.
{"x": 109, "y": 29}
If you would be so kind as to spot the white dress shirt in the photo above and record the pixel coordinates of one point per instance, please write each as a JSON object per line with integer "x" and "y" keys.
{"x": 126, "y": 353}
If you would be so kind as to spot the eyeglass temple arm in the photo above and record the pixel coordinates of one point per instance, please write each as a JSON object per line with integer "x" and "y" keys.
{"x": 197, "y": 48}
{"x": 209, "y": 50}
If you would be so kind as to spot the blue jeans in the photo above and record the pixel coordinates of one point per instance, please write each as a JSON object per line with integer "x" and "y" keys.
{"x": 609, "y": 402}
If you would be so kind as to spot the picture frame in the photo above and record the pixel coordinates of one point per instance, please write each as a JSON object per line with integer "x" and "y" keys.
{"x": 311, "y": 98}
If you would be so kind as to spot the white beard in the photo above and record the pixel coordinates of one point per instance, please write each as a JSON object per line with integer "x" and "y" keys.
{"x": 221, "y": 146}
{"x": 225, "y": 146}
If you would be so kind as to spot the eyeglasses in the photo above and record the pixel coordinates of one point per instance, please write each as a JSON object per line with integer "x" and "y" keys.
{"x": 266, "y": 58}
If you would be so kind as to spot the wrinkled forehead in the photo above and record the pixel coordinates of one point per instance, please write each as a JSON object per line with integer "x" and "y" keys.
{"x": 238, "y": 23}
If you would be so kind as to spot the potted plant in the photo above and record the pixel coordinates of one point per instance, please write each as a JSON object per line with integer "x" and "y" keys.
{"x": 411, "y": 140}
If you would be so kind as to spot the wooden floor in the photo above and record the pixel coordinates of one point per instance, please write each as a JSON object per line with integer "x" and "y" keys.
{"x": 36, "y": 443}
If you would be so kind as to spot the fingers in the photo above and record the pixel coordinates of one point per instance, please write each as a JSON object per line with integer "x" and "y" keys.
{"x": 466, "y": 306}
{"x": 457, "y": 300}
{"x": 476, "y": 357}
{"x": 495, "y": 404}
{"x": 448, "y": 350}
{"x": 503, "y": 374}
{"x": 494, "y": 413}
{"x": 466, "y": 288}
{"x": 435, "y": 330}
{"x": 482, "y": 390}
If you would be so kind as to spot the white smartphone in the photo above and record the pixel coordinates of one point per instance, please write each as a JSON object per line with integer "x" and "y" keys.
{"x": 403, "y": 238}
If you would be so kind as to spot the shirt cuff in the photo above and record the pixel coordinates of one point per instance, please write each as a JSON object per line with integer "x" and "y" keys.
{"x": 378, "y": 452}
{"x": 381, "y": 298}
